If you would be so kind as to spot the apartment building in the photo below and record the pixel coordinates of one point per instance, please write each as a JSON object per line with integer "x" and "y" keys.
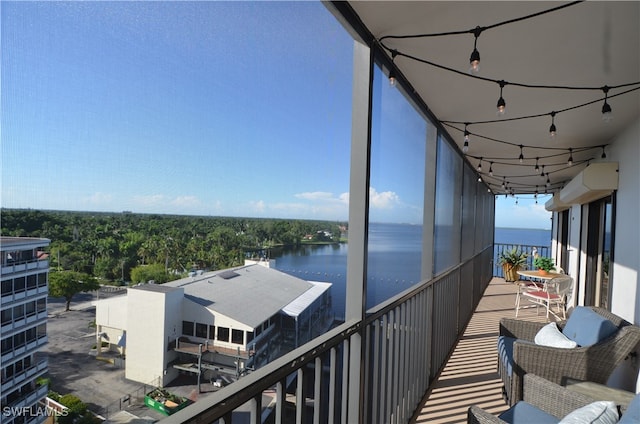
{"x": 24, "y": 277}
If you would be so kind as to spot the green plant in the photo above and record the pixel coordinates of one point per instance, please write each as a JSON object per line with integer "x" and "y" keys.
{"x": 513, "y": 257}
{"x": 545, "y": 263}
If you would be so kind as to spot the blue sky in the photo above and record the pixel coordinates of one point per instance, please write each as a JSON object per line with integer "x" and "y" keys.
{"x": 204, "y": 108}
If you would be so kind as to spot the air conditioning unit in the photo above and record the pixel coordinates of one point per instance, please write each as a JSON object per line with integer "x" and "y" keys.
{"x": 596, "y": 181}
{"x": 555, "y": 204}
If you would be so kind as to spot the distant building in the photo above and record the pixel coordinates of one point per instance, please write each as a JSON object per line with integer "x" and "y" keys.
{"x": 24, "y": 280}
{"x": 232, "y": 320}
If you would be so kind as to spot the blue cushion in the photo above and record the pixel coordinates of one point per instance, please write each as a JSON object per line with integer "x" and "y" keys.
{"x": 525, "y": 413}
{"x": 587, "y": 327}
{"x": 505, "y": 351}
{"x": 632, "y": 414}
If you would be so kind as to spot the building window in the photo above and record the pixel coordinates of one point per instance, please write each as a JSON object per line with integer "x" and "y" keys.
{"x": 42, "y": 279}
{"x": 237, "y": 336}
{"x": 42, "y": 330}
{"x": 18, "y": 312}
{"x": 30, "y": 308}
{"x": 201, "y": 330}
{"x": 32, "y": 281}
{"x": 7, "y": 287}
{"x": 9, "y": 371}
{"x": 223, "y": 334}
{"x": 18, "y": 340}
{"x": 19, "y": 284}
{"x": 7, "y": 345}
{"x": 249, "y": 336}
{"x": 187, "y": 328}
{"x": 42, "y": 305}
{"x": 212, "y": 332}
{"x": 6, "y": 316}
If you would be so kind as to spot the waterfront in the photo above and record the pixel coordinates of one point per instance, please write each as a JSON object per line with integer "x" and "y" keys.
{"x": 393, "y": 260}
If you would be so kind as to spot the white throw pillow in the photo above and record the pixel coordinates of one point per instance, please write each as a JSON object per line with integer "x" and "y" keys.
{"x": 601, "y": 412}
{"x": 550, "y": 335}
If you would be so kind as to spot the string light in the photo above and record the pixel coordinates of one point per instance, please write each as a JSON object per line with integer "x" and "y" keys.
{"x": 474, "y": 59}
{"x": 606, "y": 109}
{"x": 465, "y": 147}
{"x": 502, "y": 105}
{"x": 552, "y": 128}
{"x": 521, "y": 157}
{"x": 392, "y": 72}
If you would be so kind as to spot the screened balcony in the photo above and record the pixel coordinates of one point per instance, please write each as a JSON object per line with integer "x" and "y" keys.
{"x": 388, "y": 363}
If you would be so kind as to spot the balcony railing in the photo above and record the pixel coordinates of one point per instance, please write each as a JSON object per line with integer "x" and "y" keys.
{"x": 403, "y": 344}
{"x": 528, "y": 249}
{"x": 14, "y": 267}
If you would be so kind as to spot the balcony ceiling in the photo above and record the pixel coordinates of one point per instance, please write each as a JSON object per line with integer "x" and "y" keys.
{"x": 590, "y": 44}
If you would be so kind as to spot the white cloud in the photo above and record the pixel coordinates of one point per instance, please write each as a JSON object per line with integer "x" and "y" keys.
{"x": 186, "y": 201}
{"x": 315, "y": 195}
{"x": 99, "y": 198}
{"x": 323, "y": 197}
{"x": 150, "y": 200}
{"x": 383, "y": 200}
{"x": 258, "y": 206}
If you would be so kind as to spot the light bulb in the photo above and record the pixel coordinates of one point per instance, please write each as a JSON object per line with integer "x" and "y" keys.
{"x": 474, "y": 62}
{"x": 502, "y": 106}
{"x": 552, "y": 131}
{"x": 465, "y": 148}
{"x": 607, "y": 116}
{"x": 392, "y": 81}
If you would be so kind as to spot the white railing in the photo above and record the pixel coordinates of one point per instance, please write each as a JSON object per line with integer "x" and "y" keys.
{"x": 405, "y": 342}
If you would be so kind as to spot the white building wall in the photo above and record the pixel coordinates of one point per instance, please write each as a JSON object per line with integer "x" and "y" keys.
{"x": 112, "y": 312}
{"x": 172, "y": 328}
{"x": 152, "y": 317}
{"x": 625, "y": 299}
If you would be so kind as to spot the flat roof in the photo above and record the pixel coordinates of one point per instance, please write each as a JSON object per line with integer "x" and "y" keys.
{"x": 251, "y": 297}
{"x": 305, "y": 300}
{"x": 22, "y": 242}
{"x": 160, "y": 288}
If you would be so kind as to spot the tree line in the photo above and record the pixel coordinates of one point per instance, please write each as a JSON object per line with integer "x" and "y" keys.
{"x": 119, "y": 247}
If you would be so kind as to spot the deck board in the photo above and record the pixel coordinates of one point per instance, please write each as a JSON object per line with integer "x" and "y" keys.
{"x": 470, "y": 376}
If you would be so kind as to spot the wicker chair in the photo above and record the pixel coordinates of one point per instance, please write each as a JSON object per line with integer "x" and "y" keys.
{"x": 544, "y": 395}
{"x": 590, "y": 363}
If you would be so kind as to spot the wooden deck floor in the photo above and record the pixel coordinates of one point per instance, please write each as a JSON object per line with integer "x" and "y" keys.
{"x": 470, "y": 376}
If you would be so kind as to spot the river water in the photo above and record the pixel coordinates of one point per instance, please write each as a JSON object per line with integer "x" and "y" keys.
{"x": 394, "y": 260}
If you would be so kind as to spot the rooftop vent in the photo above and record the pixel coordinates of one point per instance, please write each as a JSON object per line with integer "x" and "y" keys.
{"x": 227, "y": 275}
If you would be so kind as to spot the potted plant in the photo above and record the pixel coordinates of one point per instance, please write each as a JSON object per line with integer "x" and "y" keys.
{"x": 544, "y": 264}
{"x": 512, "y": 260}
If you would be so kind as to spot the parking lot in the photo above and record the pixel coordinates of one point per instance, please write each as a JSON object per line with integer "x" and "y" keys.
{"x": 72, "y": 369}
{"x": 99, "y": 383}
